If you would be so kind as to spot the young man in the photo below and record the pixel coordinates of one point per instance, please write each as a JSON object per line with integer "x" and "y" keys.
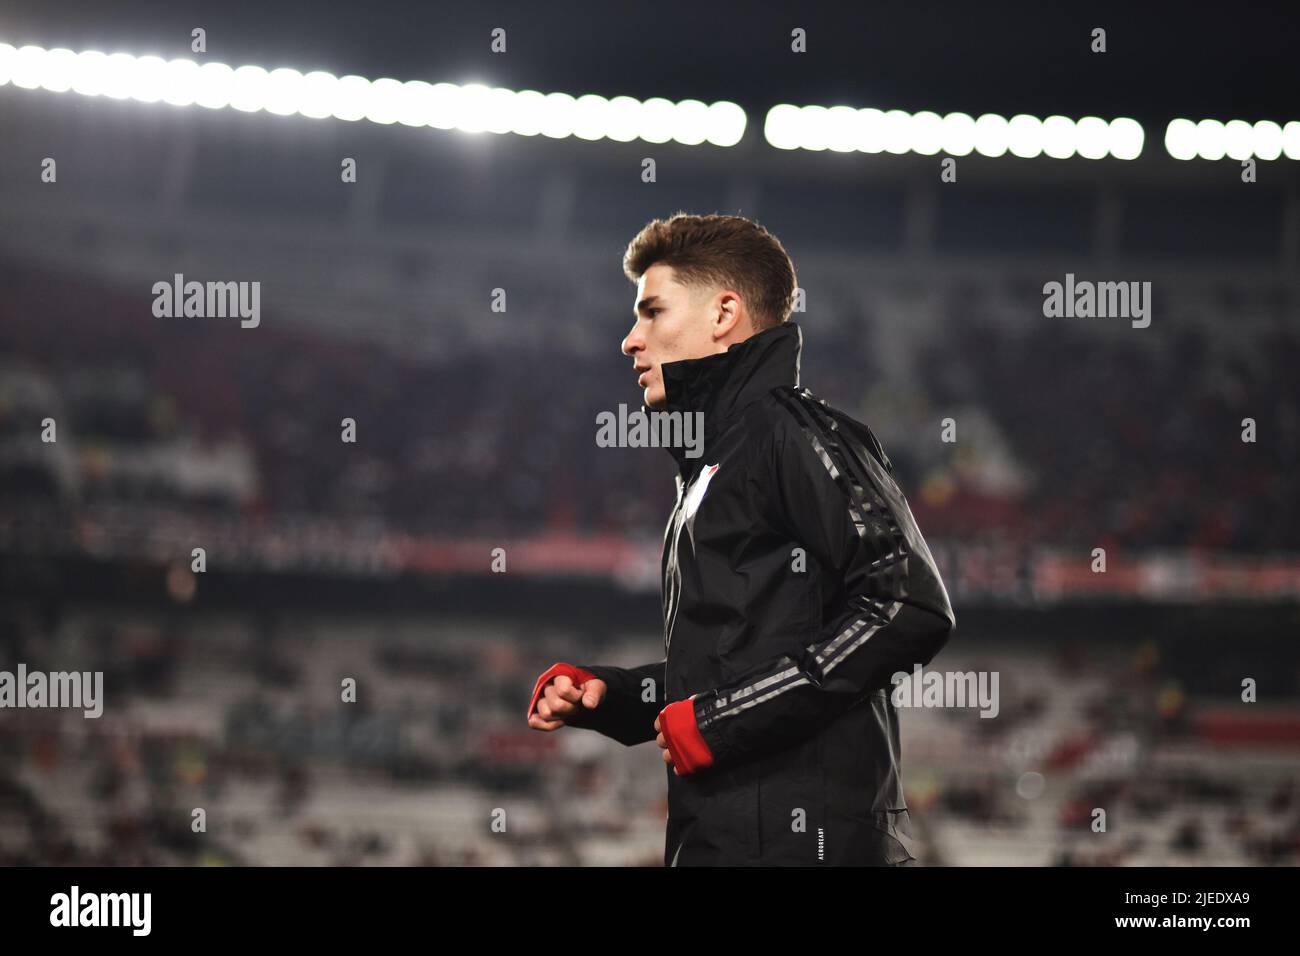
{"x": 795, "y": 580}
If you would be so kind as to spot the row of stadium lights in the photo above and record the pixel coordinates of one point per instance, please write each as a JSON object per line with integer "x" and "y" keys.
{"x": 477, "y": 108}
{"x": 320, "y": 95}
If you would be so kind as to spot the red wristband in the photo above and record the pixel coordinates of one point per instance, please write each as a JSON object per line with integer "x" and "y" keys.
{"x": 682, "y": 734}
{"x": 576, "y": 674}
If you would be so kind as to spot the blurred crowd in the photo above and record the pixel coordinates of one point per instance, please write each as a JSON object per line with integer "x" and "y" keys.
{"x": 1060, "y": 434}
{"x": 232, "y": 738}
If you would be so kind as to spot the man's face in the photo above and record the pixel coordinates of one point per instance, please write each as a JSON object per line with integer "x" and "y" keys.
{"x": 673, "y": 322}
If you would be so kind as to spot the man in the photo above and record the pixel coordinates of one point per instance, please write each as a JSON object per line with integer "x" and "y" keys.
{"x": 795, "y": 580}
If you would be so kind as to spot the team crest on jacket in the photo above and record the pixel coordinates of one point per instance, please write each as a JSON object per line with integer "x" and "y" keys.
{"x": 697, "y": 491}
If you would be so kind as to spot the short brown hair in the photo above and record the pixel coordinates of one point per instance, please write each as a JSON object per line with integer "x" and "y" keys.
{"x": 720, "y": 250}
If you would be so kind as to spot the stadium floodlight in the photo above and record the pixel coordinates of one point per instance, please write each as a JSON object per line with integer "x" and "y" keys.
{"x": 1180, "y": 139}
{"x": 1236, "y": 139}
{"x": 991, "y": 135}
{"x": 869, "y": 130}
{"x": 1025, "y": 136}
{"x": 780, "y": 128}
{"x": 57, "y": 70}
{"x": 248, "y": 88}
{"x": 592, "y": 113}
{"x": 927, "y": 133}
{"x": 1267, "y": 140}
{"x": 351, "y": 94}
{"x": 1237, "y": 136}
{"x": 1291, "y": 140}
{"x": 816, "y": 126}
{"x": 690, "y": 122}
{"x": 1059, "y": 137}
{"x": 840, "y": 135}
{"x": 958, "y": 134}
{"x": 1211, "y": 139}
{"x": 181, "y": 86}
{"x": 317, "y": 94}
{"x": 727, "y": 123}
{"x": 1125, "y": 138}
{"x": 471, "y": 108}
{"x": 284, "y": 92}
{"x": 656, "y": 120}
{"x": 1092, "y": 137}
{"x": 898, "y": 132}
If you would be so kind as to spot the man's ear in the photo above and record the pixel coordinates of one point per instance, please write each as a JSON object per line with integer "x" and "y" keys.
{"x": 729, "y": 322}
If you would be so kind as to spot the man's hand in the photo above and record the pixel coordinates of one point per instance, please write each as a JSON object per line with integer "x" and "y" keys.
{"x": 662, "y": 742}
{"x": 562, "y": 698}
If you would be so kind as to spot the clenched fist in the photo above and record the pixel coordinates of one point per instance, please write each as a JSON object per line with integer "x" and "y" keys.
{"x": 562, "y": 692}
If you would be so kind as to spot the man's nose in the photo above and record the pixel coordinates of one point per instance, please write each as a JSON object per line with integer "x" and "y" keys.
{"x": 632, "y": 343}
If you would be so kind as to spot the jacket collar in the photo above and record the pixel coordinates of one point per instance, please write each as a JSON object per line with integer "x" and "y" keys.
{"x": 722, "y": 385}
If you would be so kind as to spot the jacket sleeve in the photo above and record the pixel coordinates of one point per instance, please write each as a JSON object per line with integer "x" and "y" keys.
{"x": 831, "y": 490}
{"x": 633, "y": 699}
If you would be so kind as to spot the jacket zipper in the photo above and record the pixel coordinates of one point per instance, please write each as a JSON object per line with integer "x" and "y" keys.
{"x": 672, "y": 569}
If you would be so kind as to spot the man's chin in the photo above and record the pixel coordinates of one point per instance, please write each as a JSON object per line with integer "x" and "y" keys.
{"x": 656, "y": 401}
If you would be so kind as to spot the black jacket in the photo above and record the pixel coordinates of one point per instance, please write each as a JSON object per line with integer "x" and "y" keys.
{"x": 795, "y": 584}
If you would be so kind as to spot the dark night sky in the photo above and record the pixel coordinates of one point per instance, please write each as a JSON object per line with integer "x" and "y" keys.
{"x": 1199, "y": 60}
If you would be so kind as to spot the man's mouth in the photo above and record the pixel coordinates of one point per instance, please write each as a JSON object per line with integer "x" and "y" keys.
{"x": 644, "y": 372}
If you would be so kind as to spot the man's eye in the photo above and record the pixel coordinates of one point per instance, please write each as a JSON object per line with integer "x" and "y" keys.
{"x": 653, "y": 312}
